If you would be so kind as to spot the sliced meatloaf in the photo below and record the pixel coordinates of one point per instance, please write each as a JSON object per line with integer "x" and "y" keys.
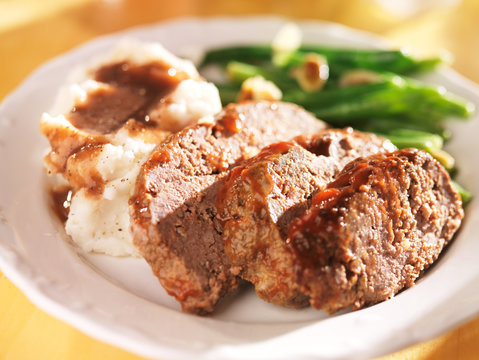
{"x": 173, "y": 211}
{"x": 373, "y": 230}
{"x": 265, "y": 193}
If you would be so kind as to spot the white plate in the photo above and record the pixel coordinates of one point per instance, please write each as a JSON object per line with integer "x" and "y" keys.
{"x": 120, "y": 302}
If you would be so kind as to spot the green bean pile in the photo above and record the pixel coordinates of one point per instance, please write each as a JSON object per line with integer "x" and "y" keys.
{"x": 409, "y": 112}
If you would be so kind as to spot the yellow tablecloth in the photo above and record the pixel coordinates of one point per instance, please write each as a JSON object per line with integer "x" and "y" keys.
{"x": 33, "y": 31}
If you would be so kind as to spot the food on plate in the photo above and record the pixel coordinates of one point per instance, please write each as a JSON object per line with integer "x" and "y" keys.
{"x": 173, "y": 209}
{"x": 374, "y": 230}
{"x": 104, "y": 125}
{"x": 260, "y": 189}
{"x": 264, "y": 194}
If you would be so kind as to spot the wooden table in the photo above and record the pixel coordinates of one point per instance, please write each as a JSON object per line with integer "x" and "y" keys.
{"x": 32, "y": 32}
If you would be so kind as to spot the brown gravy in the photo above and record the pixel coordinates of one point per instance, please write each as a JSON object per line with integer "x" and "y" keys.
{"x": 132, "y": 91}
{"x": 231, "y": 122}
{"x": 60, "y": 198}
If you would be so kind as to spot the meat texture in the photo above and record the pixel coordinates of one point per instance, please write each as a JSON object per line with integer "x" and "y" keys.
{"x": 374, "y": 230}
{"x": 173, "y": 212}
{"x": 265, "y": 193}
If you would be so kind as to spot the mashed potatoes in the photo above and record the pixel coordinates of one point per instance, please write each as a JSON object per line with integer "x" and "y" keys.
{"x": 106, "y": 122}
{"x": 100, "y": 223}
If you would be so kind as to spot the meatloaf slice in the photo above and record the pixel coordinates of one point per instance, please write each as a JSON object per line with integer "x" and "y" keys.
{"x": 374, "y": 230}
{"x": 173, "y": 212}
{"x": 265, "y": 193}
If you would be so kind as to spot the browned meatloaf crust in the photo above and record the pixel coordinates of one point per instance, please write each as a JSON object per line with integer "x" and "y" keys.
{"x": 373, "y": 230}
{"x": 265, "y": 193}
{"x": 173, "y": 212}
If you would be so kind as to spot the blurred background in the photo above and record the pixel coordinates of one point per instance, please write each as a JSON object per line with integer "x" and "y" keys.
{"x": 39, "y": 30}
{"x": 32, "y": 31}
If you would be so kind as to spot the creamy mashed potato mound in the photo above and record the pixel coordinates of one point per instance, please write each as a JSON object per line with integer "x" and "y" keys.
{"x": 101, "y": 168}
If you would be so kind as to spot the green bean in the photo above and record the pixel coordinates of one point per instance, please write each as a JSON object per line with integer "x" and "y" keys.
{"x": 432, "y": 143}
{"x": 238, "y": 72}
{"x": 436, "y": 98}
{"x": 334, "y": 95}
{"x": 378, "y": 103}
{"x": 466, "y": 196}
{"x": 242, "y": 53}
{"x": 405, "y": 138}
{"x": 446, "y": 159}
{"x": 388, "y": 125}
{"x": 228, "y": 92}
{"x": 407, "y": 101}
{"x": 396, "y": 61}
